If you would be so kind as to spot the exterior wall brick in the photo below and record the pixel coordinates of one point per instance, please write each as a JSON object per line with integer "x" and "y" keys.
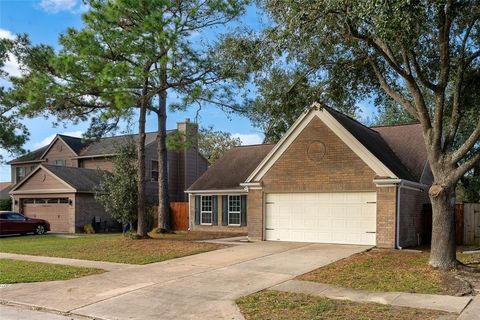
{"x": 60, "y": 151}
{"x": 411, "y": 217}
{"x": 386, "y": 215}
{"x": 219, "y": 227}
{"x": 340, "y": 170}
{"x": 255, "y": 214}
{"x": 86, "y": 209}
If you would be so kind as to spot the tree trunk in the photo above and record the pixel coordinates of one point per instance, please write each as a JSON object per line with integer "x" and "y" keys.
{"x": 142, "y": 223}
{"x": 443, "y": 248}
{"x": 163, "y": 199}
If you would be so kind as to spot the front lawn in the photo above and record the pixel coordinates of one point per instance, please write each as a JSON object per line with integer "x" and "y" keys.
{"x": 275, "y": 305}
{"x": 389, "y": 270}
{"x": 16, "y": 271}
{"x": 195, "y": 235}
{"x": 104, "y": 247}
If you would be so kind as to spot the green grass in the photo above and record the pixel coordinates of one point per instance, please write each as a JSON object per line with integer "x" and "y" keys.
{"x": 104, "y": 247}
{"x": 273, "y": 305}
{"x": 15, "y": 271}
{"x": 382, "y": 270}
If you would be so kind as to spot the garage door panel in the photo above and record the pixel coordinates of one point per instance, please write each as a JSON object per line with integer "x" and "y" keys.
{"x": 55, "y": 213}
{"x": 322, "y": 217}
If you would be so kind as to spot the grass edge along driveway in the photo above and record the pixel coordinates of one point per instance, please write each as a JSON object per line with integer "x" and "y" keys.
{"x": 105, "y": 247}
{"x": 274, "y": 305}
{"x": 18, "y": 271}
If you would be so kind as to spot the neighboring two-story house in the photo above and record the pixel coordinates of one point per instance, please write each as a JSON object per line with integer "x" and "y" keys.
{"x": 57, "y": 182}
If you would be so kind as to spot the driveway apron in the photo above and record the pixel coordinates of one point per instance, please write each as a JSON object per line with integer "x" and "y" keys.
{"x": 201, "y": 286}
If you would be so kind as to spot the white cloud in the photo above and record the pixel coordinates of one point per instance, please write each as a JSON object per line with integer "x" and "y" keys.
{"x": 248, "y": 138}
{"x": 12, "y": 67}
{"x": 55, "y": 6}
{"x": 49, "y": 139}
{"x": 6, "y": 34}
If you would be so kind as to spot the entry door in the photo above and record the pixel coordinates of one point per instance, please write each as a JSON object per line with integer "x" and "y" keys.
{"x": 343, "y": 218}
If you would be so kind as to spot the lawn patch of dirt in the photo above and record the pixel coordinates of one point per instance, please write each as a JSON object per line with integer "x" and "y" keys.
{"x": 16, "y": 271}
{"x": 105, "y": 247}
{"x": 273, "y": 305}
{"x": 391, "y": 270}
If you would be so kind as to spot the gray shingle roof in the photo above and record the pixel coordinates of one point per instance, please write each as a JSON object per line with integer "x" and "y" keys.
{"x": 102, "y": 146}
{"x": 374, "y": 142}
{"x": 232, "y": 168}
{"x": 83, "y": 180}
{"x": 408, "y": 144}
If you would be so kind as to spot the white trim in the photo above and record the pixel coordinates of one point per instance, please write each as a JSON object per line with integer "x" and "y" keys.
{"x": 201, "y": 210}
{"x": 14, "y": 190}
{"x": 317, "y": 111}
{"x": 41, "y": 191}
{"x": 216, "y": 192}
{"x": 239, "y": 212}
{"x": 406, "y": 183}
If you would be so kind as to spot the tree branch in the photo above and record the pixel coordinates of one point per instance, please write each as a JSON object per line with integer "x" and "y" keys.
{"x": 467, "y": 145}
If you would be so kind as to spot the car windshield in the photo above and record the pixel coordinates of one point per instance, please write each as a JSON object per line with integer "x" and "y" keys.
{"x": 15, "y": 216}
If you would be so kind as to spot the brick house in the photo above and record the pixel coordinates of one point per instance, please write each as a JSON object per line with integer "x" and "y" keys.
{"x": 329, "y": 179}
{"x": 57, "y": 182}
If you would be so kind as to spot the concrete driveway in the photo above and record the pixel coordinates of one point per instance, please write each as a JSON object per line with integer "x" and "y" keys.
{"x": 202, "y": 286}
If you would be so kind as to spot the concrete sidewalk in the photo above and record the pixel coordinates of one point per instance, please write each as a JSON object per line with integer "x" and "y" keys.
{"x": 472, "y": 311}
{"x": 109, "y": 266}
{"x": 400, "y": 299}
{"x": 202, "y": 286}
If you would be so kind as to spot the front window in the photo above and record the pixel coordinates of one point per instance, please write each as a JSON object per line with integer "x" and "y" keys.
{"x": 206, "y": 210}
{"x": 19, "y": 173}
{"x": 60, "y": 162}
{"x": 154, "y": 170}
{"x": 234, "y": 209}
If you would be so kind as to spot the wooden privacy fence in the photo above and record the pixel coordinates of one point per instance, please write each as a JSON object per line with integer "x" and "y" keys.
{"x": 471, "y": 221}
{"x": 467, "y": 223}
{"x": 178, "y": 216}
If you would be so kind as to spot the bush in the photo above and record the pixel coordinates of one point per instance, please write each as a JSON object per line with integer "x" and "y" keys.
{"x": 5, "y": 204}
{"x": 88, "y": 229}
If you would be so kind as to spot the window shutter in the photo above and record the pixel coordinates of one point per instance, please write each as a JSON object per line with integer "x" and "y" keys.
{"x": 214, "y": 210}
{"x": 243, "y": 208}
{"x": 197, "y": 209}
{"x": 224, "y": 210}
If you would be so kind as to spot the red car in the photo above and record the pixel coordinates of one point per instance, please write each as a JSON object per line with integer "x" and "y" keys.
{"x": 13, "y": 222}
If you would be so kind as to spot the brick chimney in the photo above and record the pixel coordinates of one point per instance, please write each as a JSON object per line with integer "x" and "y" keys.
{"x": 190, "y": 130}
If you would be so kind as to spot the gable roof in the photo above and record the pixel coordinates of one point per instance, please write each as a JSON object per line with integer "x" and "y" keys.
{"x": 232, "y": 168}
{"x": 79, "y": 179}
{"x": 109, "y": 145}
{"x": 86, "y": 148}
{"x": 375, "y": 143}
{"x": 408, "y": 144}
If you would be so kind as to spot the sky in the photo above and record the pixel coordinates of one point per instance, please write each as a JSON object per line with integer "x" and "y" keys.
{"x": 45, "y": 20}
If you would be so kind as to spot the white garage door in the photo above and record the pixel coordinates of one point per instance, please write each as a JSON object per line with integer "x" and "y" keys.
{"x": 345, "y": 218}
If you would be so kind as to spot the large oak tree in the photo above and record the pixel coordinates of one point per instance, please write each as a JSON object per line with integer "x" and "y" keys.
{"x": 424, "y": 55}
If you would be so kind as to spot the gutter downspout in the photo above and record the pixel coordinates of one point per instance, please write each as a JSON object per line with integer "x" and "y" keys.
{"x": 397, "y": 235}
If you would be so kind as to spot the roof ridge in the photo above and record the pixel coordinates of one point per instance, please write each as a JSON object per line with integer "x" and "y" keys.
{"x": 395, "y": 125}
{"x": 255, "y": 145}
{"x": 351, "y": 118}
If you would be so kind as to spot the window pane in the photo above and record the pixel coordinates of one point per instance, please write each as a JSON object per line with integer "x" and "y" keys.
{"x": 25, "y": 201}
{"x": 54, "y": 200}
{"x": 234, "y": 218}
{"x": 59, "y": 162}
{"x": 206, "y": 217}
{"x": 234, "y": 203}
{"x": 63, "y": 200}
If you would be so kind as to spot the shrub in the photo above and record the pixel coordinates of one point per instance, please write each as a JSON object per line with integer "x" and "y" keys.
{"x": 5, "y": 204}
{"x": 88, "y": 228}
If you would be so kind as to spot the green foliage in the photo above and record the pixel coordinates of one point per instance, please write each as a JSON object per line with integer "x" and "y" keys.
{"x": 5, "y": 204}
{"x": 213, "y": 144}
{"x": 117, "y": 192}
{"x": 13, "y": 134}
